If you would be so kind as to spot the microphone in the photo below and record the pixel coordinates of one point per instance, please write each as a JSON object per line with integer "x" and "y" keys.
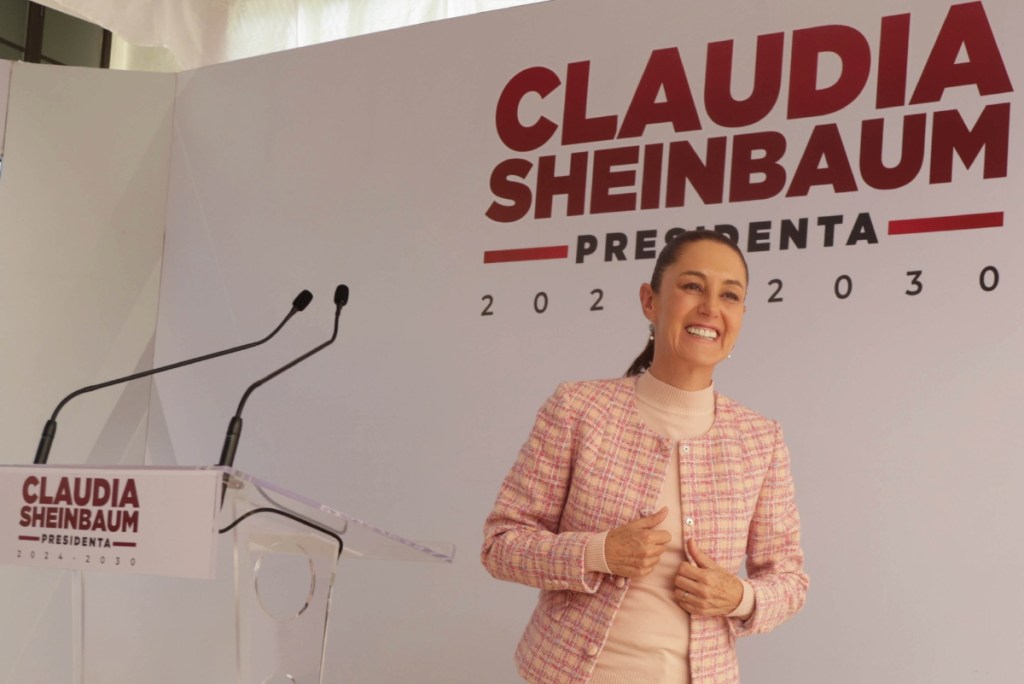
{"x": 234, "y": 432}
{"x": 50, "y": 429}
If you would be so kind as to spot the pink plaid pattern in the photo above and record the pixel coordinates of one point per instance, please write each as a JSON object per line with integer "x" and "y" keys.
{"x": 590, "y": 465}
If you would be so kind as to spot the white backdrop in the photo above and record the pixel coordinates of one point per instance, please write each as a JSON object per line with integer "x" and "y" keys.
{"x": 309, "y": 168}
{"x": 369, "y": 161}
{"x": 82, "y": 204}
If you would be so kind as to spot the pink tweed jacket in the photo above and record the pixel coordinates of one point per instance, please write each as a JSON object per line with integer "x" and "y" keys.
{"x": 590, "y": 465}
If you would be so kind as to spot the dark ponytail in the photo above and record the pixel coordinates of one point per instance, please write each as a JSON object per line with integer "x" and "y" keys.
{"x": 642, "y": 362}
{"x": 668, "y": 256}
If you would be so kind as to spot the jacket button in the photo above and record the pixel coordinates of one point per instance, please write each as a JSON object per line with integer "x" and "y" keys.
{"x": 689, "y": 522}
{"x": 620, "y": 582}
{"x": 592, "y": 651}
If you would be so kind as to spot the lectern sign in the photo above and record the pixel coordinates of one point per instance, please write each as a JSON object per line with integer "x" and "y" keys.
{"x": 155, "y": 521}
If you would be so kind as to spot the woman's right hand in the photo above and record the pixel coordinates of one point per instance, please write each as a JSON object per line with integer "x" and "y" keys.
{"x": 634, "y": 549}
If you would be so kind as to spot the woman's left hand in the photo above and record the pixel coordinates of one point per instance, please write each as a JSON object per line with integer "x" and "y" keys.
{"x": 704, "y": 588}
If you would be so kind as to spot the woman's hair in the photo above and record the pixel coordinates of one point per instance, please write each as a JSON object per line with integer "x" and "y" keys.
{"x": 668, "y": 256}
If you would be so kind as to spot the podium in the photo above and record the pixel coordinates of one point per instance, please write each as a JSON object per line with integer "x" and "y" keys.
{"x": 173, "y": 574}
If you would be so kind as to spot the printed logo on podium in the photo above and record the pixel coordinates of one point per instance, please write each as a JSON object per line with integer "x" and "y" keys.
{"x": 143, "y": 520}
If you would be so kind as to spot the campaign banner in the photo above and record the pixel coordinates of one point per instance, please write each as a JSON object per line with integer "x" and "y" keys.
{"x": 495, "y": 218}
{"x": 136, "y": 521}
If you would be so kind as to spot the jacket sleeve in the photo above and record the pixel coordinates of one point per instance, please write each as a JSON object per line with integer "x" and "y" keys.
{"x": 522, "y": 542}
{"x": 775, "y": 561}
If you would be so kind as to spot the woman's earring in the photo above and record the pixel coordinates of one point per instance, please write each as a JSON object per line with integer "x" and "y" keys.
{"x": 651, "y": 328}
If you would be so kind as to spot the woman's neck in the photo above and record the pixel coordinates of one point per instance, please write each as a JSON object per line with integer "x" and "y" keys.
{"x": 689, "y": 379}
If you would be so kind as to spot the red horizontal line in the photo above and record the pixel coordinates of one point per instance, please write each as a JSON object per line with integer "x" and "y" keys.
{"x": 124, "y": 543}
{"x": 21, "y": 538}
{"x": 498, "y": 256}
{"x": 934, "y": 224}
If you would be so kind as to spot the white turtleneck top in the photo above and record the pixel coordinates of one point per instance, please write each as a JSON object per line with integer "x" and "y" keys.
{"x": 648, "y": 642}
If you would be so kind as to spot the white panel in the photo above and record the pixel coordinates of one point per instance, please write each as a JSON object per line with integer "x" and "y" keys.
{"x": 82, "y": 201}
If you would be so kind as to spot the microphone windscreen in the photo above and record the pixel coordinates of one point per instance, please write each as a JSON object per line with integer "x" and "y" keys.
{"x": 303, "y": 300}
{"x": 341, "y": 295}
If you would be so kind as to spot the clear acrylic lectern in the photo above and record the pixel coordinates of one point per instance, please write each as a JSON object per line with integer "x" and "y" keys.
{"x": 262, "y": 620}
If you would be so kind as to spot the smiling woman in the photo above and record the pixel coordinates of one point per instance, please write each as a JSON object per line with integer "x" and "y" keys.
{"x": 635, "y": 501}
{"x": 695, "y": 303}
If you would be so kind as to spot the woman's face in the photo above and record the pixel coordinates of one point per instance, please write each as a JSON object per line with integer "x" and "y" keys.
{"x": 697, "y": 314}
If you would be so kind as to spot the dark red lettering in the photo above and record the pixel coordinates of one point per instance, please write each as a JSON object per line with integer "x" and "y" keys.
{"x": 893, "y": 51}
{"x": 44, "y": 497}
{"x": 129, "y": 521}
{"x": 966, "y": 27}
{"x": 872, "y": 165}
{"x": 63, "y": 495}
{"x": 805, "y": 97}
{"x": 707, "y": 177}
{"x": 573, "y": 185}
{"x": 721, "y": 107}
{"x": 505, "y": 185}
{"x": 824, "y": 145}
{"x": 130, "y": 495}
{"x": 950, "y": 135}
{"x": 606, "y": 179}
{"x": 511, "y": 130}
{"x": 83, "y": 491}
{"x": 28, "y": 489}
{"x": 650, "y": 190}
{"x": 664, "y": 73}
{"x": 746, "y": 167}
{"x": 577, "y": 127}
{"x": 101, "y": 492}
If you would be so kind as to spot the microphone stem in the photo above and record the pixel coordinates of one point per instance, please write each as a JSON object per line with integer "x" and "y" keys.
{"x": 234, "y": 432}
{"x": 45, "y": 442}
{"x": 227, "y": 454}
{"x": 282, "y": 369}
{"x": 172, "y": 366}
{"x": 50, "y": 429}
